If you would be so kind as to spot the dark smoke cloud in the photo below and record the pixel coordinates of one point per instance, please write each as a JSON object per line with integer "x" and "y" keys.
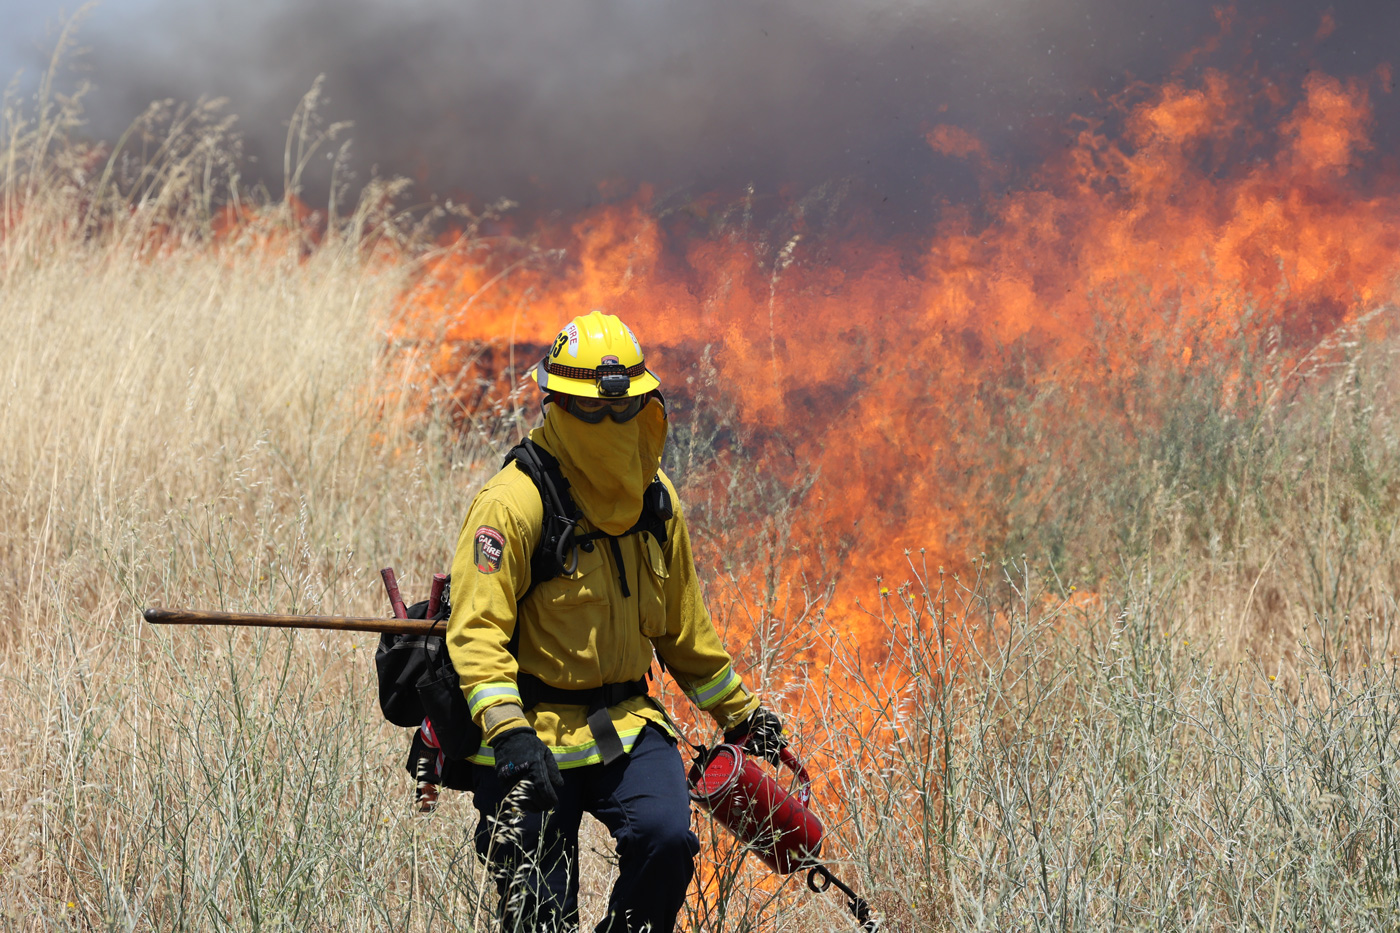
{"x": 545, "y": 101}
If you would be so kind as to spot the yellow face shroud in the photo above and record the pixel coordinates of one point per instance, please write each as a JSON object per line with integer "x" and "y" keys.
{"x": 608, "y": 465}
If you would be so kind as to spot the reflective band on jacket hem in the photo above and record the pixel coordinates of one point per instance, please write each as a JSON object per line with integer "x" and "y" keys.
{"x": 482, "y": 696}
{"x": 568, "y": 756}
{"x": 716, "y": 690}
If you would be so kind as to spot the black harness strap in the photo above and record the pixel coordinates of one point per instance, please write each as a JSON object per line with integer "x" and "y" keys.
{"x": 534, "y": 691}
{"x": 605, "y": 734}
{"x": 555, "y": 554}
{"x": 621, "y": 566}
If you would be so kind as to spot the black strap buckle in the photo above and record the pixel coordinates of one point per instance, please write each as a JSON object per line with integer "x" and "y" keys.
{"x": 534, "y": 691}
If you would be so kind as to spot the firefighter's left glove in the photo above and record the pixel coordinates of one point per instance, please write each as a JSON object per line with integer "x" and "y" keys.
{"x": 521, "y": 757}
{"x": 762, "y": 734}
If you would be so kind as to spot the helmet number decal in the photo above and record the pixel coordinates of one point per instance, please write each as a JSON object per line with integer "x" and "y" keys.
{"x": 490, "y": 547}
{"x": 559, "y": 342}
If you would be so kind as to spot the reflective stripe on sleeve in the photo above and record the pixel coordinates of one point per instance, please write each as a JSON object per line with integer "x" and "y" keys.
{"x": 711, "y": 693}
{"x": 568, "y": 756}
{"x": 482, "y": 696}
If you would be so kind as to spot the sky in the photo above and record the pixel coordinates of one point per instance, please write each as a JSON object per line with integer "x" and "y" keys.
{"x": 559, "y": 104}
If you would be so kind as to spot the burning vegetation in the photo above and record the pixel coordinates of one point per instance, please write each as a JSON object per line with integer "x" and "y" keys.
{"x": 1150, "y": 378}
{"x": 1216, "y": 244}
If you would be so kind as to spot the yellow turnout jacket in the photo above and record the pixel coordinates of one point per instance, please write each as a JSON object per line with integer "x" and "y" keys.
{"x": 578, "y": 631}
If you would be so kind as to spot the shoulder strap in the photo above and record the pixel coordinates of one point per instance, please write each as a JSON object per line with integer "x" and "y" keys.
{"x": 557, "y": 552}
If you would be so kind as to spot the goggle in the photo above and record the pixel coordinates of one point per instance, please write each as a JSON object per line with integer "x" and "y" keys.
{"x": 594, "y": 410}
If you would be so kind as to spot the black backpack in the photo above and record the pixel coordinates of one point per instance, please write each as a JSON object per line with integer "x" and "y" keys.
{"x": 417, "y": 682}
{"x": 416, "y": 676}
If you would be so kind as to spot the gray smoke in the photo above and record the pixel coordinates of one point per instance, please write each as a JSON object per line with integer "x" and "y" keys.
{"x": 544, "y": 102}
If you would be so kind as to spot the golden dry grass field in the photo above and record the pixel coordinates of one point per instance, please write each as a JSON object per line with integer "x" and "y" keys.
{"x": 1201, "y": 731}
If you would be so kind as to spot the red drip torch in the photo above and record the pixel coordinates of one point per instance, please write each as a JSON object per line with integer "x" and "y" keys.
{"x": 771, "y": 822}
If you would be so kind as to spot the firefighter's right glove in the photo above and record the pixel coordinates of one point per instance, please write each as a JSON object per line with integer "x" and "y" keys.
{"x": 520, "y": 757}
{"x": 762, "y": 734}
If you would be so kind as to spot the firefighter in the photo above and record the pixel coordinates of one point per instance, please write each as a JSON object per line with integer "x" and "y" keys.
{"x": 553, "y": 647}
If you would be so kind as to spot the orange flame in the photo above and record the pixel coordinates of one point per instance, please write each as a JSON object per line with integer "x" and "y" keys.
{"x": 1196, "y": 213}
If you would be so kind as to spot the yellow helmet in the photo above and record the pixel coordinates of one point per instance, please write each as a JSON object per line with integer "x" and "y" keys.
{"x": 595, "y": 356}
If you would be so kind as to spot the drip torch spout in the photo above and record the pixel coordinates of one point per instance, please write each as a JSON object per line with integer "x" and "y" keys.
{"x": 819, "y": 879}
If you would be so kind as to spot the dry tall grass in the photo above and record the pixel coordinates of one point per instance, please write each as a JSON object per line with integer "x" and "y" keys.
{"x": 1207, "y": 741}
{"x": 195, "y": 419}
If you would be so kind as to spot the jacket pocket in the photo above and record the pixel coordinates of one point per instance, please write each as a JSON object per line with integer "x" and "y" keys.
{"x": 651, "y": 585}
{"x": 587, "y": 585}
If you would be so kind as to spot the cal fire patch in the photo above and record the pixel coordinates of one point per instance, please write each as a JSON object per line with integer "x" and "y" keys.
{"x": 490, "y": 545}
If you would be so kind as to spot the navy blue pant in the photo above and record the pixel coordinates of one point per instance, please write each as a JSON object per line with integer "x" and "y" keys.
{"x": 643, "y": 801}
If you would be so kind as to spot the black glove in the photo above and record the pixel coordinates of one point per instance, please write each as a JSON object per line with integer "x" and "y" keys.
{"x": 764, "y": 731}
{"x": 521, "y": 756}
